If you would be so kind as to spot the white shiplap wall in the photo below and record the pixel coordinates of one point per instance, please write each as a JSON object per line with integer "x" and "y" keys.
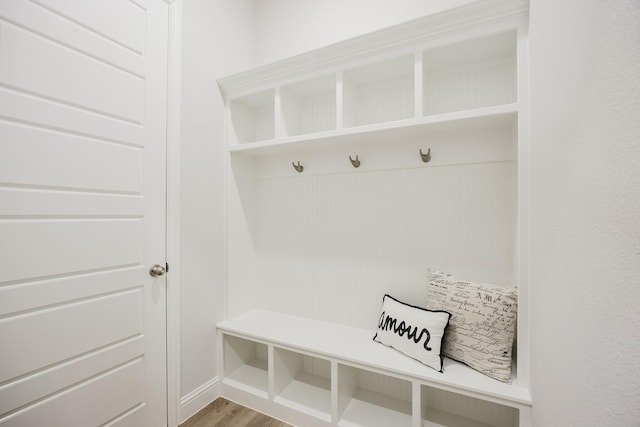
{"x": 330, "y": 242}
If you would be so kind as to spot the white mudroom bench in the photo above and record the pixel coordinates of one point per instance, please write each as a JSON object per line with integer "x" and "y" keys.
{"x": 351, "y": 170}
{"x": 309, "y": 372}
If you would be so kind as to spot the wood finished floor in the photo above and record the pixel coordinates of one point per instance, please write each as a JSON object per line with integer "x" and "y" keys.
{"x": 223, "y": 413}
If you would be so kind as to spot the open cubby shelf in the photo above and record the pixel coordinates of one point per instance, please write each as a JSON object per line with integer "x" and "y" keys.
{"x": 246, "y": 365}
{"x": 368, "y": 408}
{"x": 314, "y": 241}
{"x": 462, "y": 83}
{"x": 302, "y": 382}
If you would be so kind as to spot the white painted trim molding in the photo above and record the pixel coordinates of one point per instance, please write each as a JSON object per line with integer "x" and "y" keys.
{"x": 385, "y": 41}
{"x": 193, "y": 402}
{"x": 174, "y": 96}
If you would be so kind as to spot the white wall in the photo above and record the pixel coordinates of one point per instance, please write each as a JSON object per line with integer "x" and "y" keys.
{"x": 217, "y": 40}
{"x": 585, "y": 264}
{"x": 288, "y": 27}
{"x": 585, "y": 258}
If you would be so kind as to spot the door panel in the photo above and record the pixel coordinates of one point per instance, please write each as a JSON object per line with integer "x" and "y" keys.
{"x": 34, "y": 155}
{"x": 41, "y": 14}
{"x": 47, "y": 337}
{"x": 89, "y": 244}
{"x": 47, "y": 71}
{"x": 89, "y": 403}
{"x": 76, "y": 371}
{"x": 52, "y": 291}
{"x": 47, "y": 114}
{"x": 34, "y": 201}
{"x": 123, "y": 22}
{"x": 82, "y": 212}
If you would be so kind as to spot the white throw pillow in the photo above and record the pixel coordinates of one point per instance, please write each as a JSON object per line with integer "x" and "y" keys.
{"x": 483, "y": 322}
{"x": 414, "y": 331}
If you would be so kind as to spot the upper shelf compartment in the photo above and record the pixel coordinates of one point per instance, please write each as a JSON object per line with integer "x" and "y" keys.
{"x": 252, "y": 117}
{"x": 309, "y": 106}
{"x": 472, "y": 74}
{"x": 379, "y": 92}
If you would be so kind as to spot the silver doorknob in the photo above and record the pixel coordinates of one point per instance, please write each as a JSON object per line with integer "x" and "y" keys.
{"x": 157, "y": 270}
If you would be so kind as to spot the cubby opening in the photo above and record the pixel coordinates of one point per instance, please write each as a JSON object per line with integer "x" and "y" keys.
{"x": 303, "y": 382}
{"x": 471, "y": 74}
{"x": 441, "y": 408}
{"x": 309, "y": 106}
{"x": 246, "y": 365}
{"x": 379, "y": 92}
{"x": 252, "y": 117}
{"x": 370, "y": 399}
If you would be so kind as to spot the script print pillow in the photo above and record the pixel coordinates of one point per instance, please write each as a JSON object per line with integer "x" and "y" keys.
{"x": 411, "y": 330}
{"x": 482, "y": 325}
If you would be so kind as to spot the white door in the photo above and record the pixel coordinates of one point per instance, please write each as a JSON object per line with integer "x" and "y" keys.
{"x": 82, "y": 212}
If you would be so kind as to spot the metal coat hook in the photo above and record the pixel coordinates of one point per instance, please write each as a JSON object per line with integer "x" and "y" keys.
{"x": 425, "y": 157}
{"x": 355, "y": 163}
{"x": 298, "y": 167}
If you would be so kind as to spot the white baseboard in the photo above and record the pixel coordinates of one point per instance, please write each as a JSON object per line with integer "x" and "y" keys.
{"x": 191, "y": 403}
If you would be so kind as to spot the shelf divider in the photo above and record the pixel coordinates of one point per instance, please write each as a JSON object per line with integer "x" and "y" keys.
{"x": 339, "y": 100}
{"x": 277, "y": 115}
{"x": 417, "y": 84}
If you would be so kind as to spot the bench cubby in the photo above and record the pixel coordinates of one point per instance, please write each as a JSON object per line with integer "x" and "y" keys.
{"x": 440, "y": 407}
{"x": 302, "y": 382}
{"x": 367, "y": 398}
{"x": 245, "y": 364}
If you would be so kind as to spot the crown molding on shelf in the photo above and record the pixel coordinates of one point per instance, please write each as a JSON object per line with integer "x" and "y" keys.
{"x": 465, "y": 18}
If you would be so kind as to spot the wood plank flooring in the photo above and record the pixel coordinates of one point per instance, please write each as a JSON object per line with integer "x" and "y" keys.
{"x": 224, "y": 413}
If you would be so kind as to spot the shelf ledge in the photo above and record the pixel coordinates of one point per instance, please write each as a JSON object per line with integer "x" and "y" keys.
{"x": 499, "y": 115}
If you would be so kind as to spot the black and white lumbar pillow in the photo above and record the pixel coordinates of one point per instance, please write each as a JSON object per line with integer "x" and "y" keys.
{"x": 414, "y": 331}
